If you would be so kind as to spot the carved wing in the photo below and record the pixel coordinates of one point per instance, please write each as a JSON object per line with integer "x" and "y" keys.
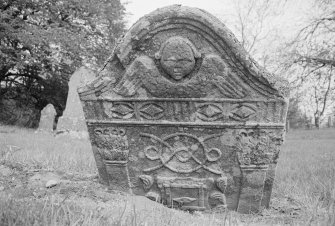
{"x": 215, "y": 70}
{"x": 141, "y": 69}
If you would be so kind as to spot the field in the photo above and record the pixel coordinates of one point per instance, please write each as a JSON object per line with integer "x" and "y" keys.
{"x": 304, "y": 191}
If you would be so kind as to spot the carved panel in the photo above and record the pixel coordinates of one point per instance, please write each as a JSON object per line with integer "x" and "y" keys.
{"x": 183, "y": 193}
{"x": 187, "y": 193}
{"x": 175, "y": 150}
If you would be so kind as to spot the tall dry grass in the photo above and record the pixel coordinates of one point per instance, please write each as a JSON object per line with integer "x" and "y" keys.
{"x": 306, "y": 174}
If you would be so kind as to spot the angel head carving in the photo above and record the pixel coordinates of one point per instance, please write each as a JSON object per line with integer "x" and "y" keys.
{"x": 177, "y": 57}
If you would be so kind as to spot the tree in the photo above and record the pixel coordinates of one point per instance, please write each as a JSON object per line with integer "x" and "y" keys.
{"x": 295, "y": 115}
{"x": 42, "y": 42}
{"x": 322, "y": 90}
{"x": 315, "y": 42}
{"x": 311, "y": 58}
{"x": 252, "y": 26}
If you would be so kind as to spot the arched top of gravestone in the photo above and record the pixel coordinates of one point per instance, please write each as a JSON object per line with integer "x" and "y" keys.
{"x": 183, "y": 52}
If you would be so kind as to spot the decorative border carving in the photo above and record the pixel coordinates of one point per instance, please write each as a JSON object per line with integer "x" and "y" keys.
{"x": 225, "y": 125}
{"x": 189, "y": 110}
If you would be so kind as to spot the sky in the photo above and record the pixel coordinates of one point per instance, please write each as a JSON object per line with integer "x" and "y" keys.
{"x": 138, "y": 8}
{"x": 275, "y": 31}
{"x": 294, "y": 13}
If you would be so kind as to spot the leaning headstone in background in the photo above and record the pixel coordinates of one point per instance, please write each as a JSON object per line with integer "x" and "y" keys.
{"x": 330, "y": 121}
{"x": 186, "y": 117}
{"x": 47, "y": 118}
{"x": 72, "y": 121}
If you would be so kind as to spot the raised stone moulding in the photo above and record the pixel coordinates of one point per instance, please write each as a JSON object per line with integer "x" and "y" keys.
{"x": 193, "y": 110}
{"x": 185, "y": 117}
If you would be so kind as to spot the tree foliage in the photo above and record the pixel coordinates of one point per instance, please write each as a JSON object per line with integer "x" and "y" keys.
{"x": 307, "y": 59}
{"x": 295, "y": 117}
{"x": 42, "y": 42}
{"x": 310, "y": 57}
{"x": 253, "y": 26}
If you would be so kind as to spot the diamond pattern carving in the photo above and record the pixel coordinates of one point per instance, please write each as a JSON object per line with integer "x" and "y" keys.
{"x": 122, "y": 110}
{"x": 151, "y": 111}
{"x": 209, "y": 112}
{"x": 243, "y": 112}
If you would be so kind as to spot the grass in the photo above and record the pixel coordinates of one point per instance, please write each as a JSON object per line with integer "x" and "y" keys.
{"x": 43, "y": 150}
{"x": 306, "y": 174}
{"x": 303, "y": 193}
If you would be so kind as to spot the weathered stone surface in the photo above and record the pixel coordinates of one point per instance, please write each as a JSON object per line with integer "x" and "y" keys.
{"x": 73, "y": 117}
{"x": 185, "y": 117}
{"x": 47, "y": 118}
{"x": 5, "y": 171}
{"x": 51, "y": 183}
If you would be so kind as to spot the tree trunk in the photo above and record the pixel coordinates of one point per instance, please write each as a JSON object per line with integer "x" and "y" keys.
{"x": 317, "y": 122}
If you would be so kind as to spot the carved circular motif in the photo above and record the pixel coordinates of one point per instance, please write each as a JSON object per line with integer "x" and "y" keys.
{"x": 194, "y": 147}
{"x": 183, "y": 154}
{"x": 213, "y": 154}
{"x": 114, "y": 131}
{"x": 152, "y": 153}
{"x": 122, "y": 132}
{"x": 98, "y": 131}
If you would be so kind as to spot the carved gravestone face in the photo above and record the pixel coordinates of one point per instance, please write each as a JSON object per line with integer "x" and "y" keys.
{"x": 185, "y": 117}
{"x": 177, "y": 57}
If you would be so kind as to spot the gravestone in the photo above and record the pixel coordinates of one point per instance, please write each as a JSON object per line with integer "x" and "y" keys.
{"x": 185, "y": 117}
{"x": 47, "y": 118}
{"x": 330, "y": 122}
{"x": 73, "y": 119}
